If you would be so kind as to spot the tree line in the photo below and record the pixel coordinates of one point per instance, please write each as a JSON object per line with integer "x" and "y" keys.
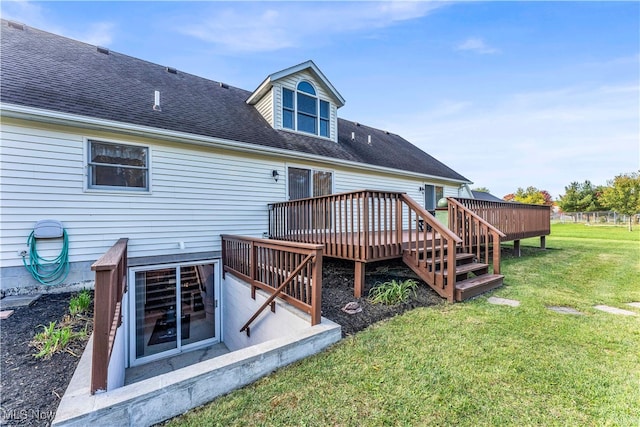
{"x": 621, "y": 195}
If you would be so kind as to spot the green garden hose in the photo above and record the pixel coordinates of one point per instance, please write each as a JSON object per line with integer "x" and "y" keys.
{"x": 47, "y": 271}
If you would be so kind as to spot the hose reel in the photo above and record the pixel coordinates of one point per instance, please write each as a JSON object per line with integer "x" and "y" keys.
{"x": 47, "y": 271}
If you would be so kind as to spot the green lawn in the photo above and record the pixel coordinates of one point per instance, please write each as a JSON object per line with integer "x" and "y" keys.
{"x": 473, "y": 363}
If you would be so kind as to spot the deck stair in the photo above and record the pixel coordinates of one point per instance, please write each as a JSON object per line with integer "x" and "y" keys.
{"x": 472, "y": 277}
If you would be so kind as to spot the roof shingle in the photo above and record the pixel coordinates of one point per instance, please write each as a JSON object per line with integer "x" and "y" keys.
{"x": 47, "y": 71}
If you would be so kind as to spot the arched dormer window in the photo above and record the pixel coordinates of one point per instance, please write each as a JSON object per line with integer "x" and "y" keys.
{"x": 303, "y": 111}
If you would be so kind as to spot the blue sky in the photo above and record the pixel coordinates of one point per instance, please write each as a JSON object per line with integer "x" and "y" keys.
{"x": 509, "y": 94}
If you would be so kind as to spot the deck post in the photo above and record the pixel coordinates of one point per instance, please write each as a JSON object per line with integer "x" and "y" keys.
{"x": 543, "y": 242}
{"x": 516, "y": 248}
{"x": 358, "y": 281}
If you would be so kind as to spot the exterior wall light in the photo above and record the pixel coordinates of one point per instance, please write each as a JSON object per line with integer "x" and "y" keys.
{"x": 275, "y": 175}
{"x": 421, "y": 189}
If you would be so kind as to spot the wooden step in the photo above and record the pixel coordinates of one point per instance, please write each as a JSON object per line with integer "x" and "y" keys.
{"x": 469, "y": 268}
{"x": 469, "y": 288}
{"x": 461, "y": 258}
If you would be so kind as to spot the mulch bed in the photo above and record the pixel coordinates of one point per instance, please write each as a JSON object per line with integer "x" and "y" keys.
{"x": 32, "y": 388}
{"x": 337, "y": 291}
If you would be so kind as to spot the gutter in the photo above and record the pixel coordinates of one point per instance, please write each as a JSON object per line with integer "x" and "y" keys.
{"x": 85, "y": 122}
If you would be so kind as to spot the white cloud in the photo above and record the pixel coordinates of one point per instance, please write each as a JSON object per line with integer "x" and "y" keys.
{"x": 478, "y": 46}
{"x": 254, "y": 27}
{"x": 35, "y": 15}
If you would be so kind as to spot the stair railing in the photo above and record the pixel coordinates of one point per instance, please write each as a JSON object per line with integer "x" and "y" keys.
{"x": 427, "y": 234}
{"x": 478, "y": 236}
{"x": 288, "y": 270}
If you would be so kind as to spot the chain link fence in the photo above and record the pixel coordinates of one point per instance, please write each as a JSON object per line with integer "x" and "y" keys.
{"x": 594, "y": 218}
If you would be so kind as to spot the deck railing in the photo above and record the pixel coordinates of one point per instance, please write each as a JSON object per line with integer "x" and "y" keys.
{"x": 440, "y": 268}
{"x": 516, "y": 220}
{"x": 478, "y": 235}
{"x": 368, "y": 225}
{"x": 347, "y": 224}
{"x": 288, "y": 270}
{"x": 110, "y": 286}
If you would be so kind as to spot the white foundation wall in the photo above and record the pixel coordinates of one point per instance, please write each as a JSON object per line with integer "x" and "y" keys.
{"x": 238, "y": 307}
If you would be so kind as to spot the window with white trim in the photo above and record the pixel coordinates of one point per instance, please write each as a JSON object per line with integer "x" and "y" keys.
{"x": 118, "y": 166}
{"x": 305, "y": 183}
{"x": 303, "y": 111}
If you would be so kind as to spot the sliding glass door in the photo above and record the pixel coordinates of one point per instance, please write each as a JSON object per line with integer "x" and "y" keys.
{"x": 172, "y": 308}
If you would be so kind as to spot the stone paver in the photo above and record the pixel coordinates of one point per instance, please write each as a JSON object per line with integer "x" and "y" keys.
{"x": 565, "y": 310}
{"x": 16, "y": 301}
{"x": 614, "y": 310}
{"x": 634, "y": 304}
{"x": 503, "y": 301}
{"x": 4, "y": 314}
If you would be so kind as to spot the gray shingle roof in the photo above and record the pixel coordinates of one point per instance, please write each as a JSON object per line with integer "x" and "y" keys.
{"x": 487, "y": 197}
{"x": 47, "y": 71}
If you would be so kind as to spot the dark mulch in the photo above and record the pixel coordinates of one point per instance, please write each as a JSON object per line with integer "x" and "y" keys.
{"x": 32, "y": 388}
{"x": 337, "y": 291}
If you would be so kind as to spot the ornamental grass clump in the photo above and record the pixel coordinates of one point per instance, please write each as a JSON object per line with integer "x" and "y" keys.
{"x": 392, "y": 292}
{"x": 79, "y": 304}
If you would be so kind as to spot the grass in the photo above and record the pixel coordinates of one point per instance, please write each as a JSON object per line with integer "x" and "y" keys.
{"x": 477, "y": 364}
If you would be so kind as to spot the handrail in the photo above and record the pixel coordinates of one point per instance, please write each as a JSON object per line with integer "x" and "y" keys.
{"x": 476, "y": 216}
{"x": 270, "y": 264}
{"x": 276, "y": 293}
{"x": 110, "y": 285}
{"x": 442, "y": 280}
{"x": 477, "y": 234}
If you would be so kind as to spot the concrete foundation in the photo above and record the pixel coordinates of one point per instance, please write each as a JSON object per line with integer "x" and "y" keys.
{"x": 153, "y": 400}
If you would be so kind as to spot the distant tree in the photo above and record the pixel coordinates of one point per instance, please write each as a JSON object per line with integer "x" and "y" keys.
{"x": 579, "y": 197}
{"x": 530, "y": 195}
{"x": 482, "y": 189}
{"x": 548, "y": 200}
{"x": 623, "y": 195}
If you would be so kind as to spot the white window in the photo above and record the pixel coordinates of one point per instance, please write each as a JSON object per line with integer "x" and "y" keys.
{"x": 305, "y": 183}
{"x": 118, "y": 166}
{"x": 302, "y": 110}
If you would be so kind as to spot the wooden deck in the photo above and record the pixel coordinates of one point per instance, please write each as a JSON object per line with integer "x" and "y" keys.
{"x": 370, "y": 225}
{"x": 358, "y": 247}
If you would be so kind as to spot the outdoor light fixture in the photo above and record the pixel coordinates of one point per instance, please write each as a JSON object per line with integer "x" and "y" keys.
{"x": 421, "y": 189}
{"x": 275, "y": 175}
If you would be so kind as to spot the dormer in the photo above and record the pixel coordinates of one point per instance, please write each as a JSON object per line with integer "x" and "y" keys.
{"x": 299, "y": 99}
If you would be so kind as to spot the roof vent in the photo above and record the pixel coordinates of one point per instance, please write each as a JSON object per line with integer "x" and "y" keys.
{"x": 156, "y": 101}
{"x": 16, "y": 25}
{"x": 172, "y": 70}
{"x": 353, "y": 136}
{"x": 369, "y": 139}
{"x": 224, "y": 85}
{"x": 387, "y": 132}
{"x": 356, "y": 123}
{"x": 103, "y": 50}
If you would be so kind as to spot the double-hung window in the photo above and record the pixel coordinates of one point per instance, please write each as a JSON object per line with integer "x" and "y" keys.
{"x": 302, "y": 110}
{"x": 118, "y": 166}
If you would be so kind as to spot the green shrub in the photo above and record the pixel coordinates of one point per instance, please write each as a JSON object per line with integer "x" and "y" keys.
{"x": 393, "y": 292}
{"x": 79, "y": 304}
